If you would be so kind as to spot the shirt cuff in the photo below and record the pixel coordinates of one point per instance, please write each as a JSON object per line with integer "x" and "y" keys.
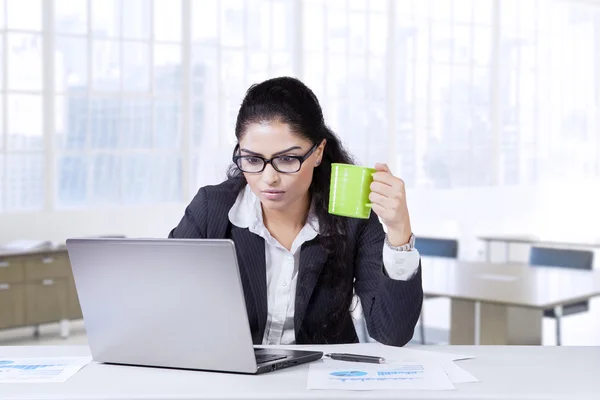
{"x": 400, "y": 265}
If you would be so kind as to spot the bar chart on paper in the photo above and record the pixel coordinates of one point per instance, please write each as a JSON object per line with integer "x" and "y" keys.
{"x": 339, "y": 375}
{"x": 40, "y": 370}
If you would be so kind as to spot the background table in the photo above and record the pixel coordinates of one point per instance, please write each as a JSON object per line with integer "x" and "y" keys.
{"x": 500, "y": 304}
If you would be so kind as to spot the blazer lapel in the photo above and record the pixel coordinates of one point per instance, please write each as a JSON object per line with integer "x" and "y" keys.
{"x": 312, "y": 261}
{"x": 251, "y": 258}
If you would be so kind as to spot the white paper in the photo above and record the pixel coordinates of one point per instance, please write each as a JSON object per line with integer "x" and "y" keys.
{"x": 457, "y": 374}
{"x": 40, "y": 370}
{"x": 341, "y": 375}
{"x": 446, "y": 360}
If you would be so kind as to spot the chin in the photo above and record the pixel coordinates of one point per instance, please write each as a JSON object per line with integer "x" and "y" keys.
{"x": 274, "y": 205}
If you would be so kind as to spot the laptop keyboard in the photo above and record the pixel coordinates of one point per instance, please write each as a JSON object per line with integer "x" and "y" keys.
{"x": 265, "y": 358}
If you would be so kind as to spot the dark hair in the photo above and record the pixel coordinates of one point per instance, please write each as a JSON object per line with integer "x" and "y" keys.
{"x": 290, "y": 101}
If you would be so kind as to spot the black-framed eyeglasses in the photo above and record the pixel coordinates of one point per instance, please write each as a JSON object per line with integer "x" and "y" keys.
{"x": 283, "y": 164}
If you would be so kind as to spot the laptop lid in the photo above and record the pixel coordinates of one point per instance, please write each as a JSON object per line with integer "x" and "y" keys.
{"x": 163, "y": 302}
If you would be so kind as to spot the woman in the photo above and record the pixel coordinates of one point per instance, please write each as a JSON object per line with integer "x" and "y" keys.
{"x": 299, "y": 264}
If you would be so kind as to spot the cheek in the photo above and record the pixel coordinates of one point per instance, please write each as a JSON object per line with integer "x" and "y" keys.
{"x": 302, "y": 180}
{"x": 252, "y": 179}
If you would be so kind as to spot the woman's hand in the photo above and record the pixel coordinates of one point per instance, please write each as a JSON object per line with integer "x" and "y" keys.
{"x": 389, "y": 203}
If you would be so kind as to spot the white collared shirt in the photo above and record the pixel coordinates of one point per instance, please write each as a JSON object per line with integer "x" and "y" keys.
{"x": 282, "y": 265}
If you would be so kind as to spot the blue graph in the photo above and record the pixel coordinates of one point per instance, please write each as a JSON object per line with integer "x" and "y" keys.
{"x": 7, "y": 364}
{"x": 347, "y": 374}
{"x": 388, "y": 373}
{"x": 403, "y": 370}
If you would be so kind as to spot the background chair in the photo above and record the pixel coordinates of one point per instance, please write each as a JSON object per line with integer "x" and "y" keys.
{"x": 434, "y": 247}
{"x": 563, "y": 258}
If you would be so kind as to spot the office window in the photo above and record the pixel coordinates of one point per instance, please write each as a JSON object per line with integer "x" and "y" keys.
{"x": 549, "y": 92}
{"x": 443, "y": 61}
{"x": 118, "y": 102}
{"x": 125, "y": 102}
{"x": 344, "y": 62}
{"x": 22, "y": 158}
{"x": 235, "y": 43}
{"x": 496, "y": 92}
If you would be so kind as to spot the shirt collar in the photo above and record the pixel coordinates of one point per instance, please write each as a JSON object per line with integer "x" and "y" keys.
{"x": 247, "y": 213}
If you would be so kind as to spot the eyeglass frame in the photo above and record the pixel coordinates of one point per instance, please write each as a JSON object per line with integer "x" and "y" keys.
{"x": 266, "y": 161}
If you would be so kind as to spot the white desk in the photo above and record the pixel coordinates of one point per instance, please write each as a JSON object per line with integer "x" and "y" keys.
{"x": 504, "y": 373}
{"x": 503, "y": 304}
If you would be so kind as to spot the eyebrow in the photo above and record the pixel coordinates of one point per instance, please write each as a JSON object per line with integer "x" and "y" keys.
{"x": 274, "y": 154}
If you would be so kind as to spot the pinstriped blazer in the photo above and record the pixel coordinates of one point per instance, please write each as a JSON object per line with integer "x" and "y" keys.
{"x": 391, "y": 307}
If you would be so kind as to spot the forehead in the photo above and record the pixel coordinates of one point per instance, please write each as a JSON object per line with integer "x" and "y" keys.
{"x": 271, "y": 137}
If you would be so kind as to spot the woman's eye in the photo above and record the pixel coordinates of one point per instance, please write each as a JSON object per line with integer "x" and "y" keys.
{"x": 253, "y": 160}
{"x": 287, "y": 160}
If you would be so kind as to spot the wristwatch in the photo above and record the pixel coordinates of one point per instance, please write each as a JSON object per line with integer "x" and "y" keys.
{"x": 405, "y": 247}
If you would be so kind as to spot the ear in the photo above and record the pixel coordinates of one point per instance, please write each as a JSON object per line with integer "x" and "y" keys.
{"x": 320, "y": 151}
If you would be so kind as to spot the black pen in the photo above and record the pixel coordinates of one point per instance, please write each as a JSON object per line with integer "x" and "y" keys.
{"x": 356, "y": 358}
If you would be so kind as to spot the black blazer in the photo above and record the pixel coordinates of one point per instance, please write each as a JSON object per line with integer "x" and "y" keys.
{"x": 391, "y": 307}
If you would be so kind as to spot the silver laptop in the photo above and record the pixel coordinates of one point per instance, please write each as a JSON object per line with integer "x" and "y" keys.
{"x": 174, "y": 303}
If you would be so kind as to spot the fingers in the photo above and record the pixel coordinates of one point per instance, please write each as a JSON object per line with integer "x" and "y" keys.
{"x": 388, "y": 203}
{"x": 383, "y": 189}
{"x": 388, "y": 185}
{"x": 380, "y": 211}
{"x": 384, "y": 175}
{"x": 382, "y": 167}
{"x": 388, "y": 198}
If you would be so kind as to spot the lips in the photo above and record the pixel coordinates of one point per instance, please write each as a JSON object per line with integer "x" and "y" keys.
{"x": 273, "y": 194}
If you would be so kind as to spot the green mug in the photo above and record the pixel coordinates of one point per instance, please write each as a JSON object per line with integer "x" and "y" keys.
{"x": 349, "y": 190}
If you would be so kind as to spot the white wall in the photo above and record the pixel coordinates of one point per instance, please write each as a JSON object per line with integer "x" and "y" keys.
{"x": 568, "y": 211}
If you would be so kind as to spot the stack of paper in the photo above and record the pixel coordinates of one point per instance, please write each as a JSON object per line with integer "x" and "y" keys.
{"x": 415, "y": 370}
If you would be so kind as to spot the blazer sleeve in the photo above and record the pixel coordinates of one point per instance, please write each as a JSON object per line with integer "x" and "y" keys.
{"x": 391, "y": 307}
{"x": 193, "y": 224}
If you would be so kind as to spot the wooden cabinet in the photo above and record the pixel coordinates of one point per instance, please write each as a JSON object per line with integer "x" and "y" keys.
{"x": 12, "y": 301}
{"x": 11, "y": 269}
{"x": 49, "y": 265}
{"x": 36, "y": 287}
{"x": 46, "y": 301}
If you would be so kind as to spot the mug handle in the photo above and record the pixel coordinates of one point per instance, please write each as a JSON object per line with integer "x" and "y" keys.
{"x": 369, "y": 205}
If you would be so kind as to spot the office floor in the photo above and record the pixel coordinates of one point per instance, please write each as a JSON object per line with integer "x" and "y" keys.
{"x": 578, "y": 330}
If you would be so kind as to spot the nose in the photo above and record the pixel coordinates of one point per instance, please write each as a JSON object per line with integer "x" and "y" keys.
{"x": 269, "y": 175}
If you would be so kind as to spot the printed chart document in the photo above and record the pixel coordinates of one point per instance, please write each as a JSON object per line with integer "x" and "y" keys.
{"x": 40, "y": 370}
{"x": 342, "y": 375}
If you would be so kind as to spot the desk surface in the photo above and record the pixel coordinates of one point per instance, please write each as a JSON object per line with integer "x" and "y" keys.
{"x": 511, "y": 284}
{"x": 504, "y": 373}
{"x": 532, "y": 239}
